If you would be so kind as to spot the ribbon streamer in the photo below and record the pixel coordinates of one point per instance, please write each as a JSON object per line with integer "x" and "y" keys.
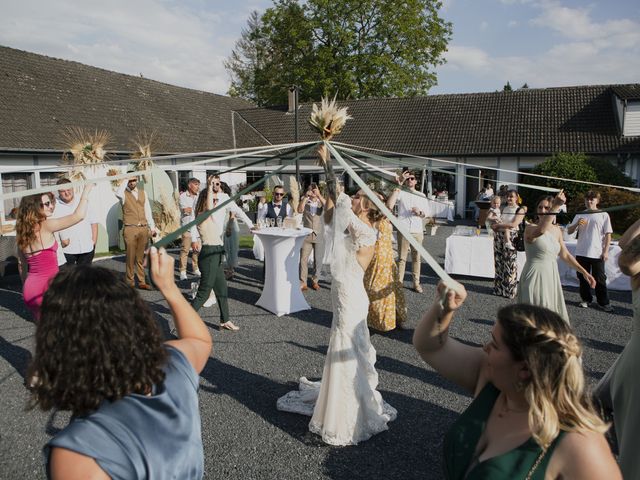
{"x": 444, "y": 276}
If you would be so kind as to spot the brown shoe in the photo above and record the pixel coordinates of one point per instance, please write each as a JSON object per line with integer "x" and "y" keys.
{"x": 315, "y": 286}
{"x": 304, "y": 287}
{"x": 145, "y": 286}
{"x": 417, "y": 287}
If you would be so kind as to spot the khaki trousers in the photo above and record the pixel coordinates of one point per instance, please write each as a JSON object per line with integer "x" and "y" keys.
{"x": 305, "y": 252}
{"x": 136, "y": 240}
{"x": 403, "y": 250}
{"x": 184, "y": 253}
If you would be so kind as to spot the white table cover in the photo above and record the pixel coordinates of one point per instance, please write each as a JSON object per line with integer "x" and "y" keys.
{"x": 281, "y": 292}
{"x": 473, "y": 256}
{"x": 440, "y": 209}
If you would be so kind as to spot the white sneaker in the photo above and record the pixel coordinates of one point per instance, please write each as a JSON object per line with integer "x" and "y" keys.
{"x": 584, "y": 304}
{"x": 183, "y": 275}
{"x": 194, "y": 289}
{"x": 211, "y": 301}
{"x": 197, "y": 273}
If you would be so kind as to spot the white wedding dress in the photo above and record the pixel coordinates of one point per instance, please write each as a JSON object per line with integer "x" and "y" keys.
{"x": 345, "y": 407}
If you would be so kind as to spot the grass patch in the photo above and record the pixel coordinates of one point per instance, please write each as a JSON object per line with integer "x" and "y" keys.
{"x": 246, "y": 241}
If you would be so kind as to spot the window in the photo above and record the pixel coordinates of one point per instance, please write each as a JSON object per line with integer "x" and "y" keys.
{"x": 183, "y": 179}
{"x": 48, "y": 179}
{"x": 253, "y": 177}
{"x": 14, "y": 182}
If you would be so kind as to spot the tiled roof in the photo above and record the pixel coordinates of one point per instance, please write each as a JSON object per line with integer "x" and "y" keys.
{"x": 523, "y": 122}
{"x": 627, "y": 92}
{"x": 40, "y": 96}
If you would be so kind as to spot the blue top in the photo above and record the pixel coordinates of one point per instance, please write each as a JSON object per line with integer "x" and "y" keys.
{"x": 139, "y": 436}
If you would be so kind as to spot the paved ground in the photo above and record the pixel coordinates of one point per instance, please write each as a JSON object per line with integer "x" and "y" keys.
{"x": 244, "y": 436}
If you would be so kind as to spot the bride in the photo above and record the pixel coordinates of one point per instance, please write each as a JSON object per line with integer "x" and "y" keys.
{"x": 345, "y": 407}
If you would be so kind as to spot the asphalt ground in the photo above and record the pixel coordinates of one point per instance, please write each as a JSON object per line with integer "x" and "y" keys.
{"x": 244, "y": 436}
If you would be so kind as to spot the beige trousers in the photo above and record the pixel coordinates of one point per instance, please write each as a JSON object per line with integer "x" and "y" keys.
{"x": 305, "y": 252}
{"x": 136, "y": 240}
{"x": 403, "y": 250}
{"x": 184, "y": 253}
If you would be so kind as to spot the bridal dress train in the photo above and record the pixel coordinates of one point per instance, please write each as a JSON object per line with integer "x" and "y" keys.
{"x": 344, "y": 406}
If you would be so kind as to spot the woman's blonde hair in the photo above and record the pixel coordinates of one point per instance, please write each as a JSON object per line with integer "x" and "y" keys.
{"x": 555, "y": 390}
{"x": 30, "y": 214}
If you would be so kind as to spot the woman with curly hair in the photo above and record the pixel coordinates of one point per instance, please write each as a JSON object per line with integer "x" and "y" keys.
{"x": 345, "y": 406}
{"x": 531, "y": 417}
{"x": 133, "y": 398}
{"x": 37, "y": 245}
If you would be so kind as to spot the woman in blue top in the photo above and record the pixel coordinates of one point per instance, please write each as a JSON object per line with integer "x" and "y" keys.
{"x": 530, "y": 418}
{"x": 133, "y": 397}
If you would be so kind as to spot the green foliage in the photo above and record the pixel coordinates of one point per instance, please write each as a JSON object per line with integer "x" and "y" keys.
{"x": 352, "y": 48}
{"x": 609, "y": 173}
{"x": 563, "y": 165}
{"x": 507, "y": 88}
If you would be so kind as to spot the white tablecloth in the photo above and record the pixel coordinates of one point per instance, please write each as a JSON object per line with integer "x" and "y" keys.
{"x": 281, "y": 292}
{"x": 440, "y": 209}
{"x": 473, "y": 256}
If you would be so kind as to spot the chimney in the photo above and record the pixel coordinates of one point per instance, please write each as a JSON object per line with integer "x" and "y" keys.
{"x": 292, "y": 99}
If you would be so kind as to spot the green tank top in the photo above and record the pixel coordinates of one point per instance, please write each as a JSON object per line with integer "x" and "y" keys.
{"x": 462, "y": 438}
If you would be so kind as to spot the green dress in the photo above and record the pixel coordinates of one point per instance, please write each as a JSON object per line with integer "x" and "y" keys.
{"x": 540, "y": 280}
{"x": 625, "y": 394}
{"x": 462, "y": 438}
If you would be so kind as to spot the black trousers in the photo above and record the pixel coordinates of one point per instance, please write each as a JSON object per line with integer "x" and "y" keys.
{"x": 80, "y": 258}
{"x": 595, "y": 266}
{"x": 210, "y": 263}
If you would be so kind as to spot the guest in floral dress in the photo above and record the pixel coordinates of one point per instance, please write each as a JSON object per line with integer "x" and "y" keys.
{"x": 387, "y": 308}
{"x": 505, "y": 258}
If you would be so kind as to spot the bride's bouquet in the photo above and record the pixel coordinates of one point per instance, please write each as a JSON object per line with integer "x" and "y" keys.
{"x": 328, "y": 120}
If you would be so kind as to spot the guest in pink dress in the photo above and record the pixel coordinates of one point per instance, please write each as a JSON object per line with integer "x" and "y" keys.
{"x": 37, "y": 245}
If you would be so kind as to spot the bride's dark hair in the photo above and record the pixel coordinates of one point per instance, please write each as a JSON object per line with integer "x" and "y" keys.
{"x": 373, "y": 214}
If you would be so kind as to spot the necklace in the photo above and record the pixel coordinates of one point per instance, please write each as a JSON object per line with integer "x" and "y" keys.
{"x": 505, "y": 410}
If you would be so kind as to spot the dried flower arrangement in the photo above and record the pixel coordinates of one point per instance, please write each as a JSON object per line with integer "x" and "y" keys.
{"x": 83, "y": 148}
{"x": 328, "y": 120}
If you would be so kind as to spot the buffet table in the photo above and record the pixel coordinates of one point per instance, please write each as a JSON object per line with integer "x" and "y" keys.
{"x": 440, "y": 209}
{"x": 281, "y": 293}
{"x": 473, "y": 256}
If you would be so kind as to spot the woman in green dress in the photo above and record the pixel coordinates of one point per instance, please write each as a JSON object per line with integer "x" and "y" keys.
{"x": 543, "y": 243}
{"x": 625, "y": 385}
{"x": 530, "y": 417}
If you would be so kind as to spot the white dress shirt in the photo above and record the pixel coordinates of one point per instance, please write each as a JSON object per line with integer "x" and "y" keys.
{"x": 262, "y": 213}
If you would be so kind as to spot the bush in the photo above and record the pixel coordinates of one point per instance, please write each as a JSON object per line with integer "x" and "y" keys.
{"x": 609, "y": 173}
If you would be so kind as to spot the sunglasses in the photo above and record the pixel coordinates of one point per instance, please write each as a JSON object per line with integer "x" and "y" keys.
{"x": 411, "y": 178}
{"x": 278, "y": 194}
{"x": 216, "y": 184}
{"x": 45, "y": 204}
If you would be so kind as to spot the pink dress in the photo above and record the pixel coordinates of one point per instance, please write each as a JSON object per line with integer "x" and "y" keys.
{"x": 43, "y": 266}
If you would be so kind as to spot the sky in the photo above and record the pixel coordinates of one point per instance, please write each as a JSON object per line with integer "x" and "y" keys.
{"x": 543, "y": 43}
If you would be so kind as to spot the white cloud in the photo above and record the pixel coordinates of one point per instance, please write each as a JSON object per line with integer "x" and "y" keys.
{"x": 513, "y": 23}
{"x": 467, "y": 58}
{"x": 163, "y": 40}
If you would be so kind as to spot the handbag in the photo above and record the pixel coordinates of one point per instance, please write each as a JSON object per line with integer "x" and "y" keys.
{"x": 518, "y": 240}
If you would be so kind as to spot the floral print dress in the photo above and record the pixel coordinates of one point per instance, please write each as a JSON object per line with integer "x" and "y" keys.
{"x": 387, "y": 308}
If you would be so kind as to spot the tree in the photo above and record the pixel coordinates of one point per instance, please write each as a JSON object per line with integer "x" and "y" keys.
{"x": 348, "y": 48}
{"x": 507, "y": 87}
{"x": 524, "y": 86}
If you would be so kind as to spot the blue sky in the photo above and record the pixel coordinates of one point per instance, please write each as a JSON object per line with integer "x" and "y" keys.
{"x": 544, "y": 43}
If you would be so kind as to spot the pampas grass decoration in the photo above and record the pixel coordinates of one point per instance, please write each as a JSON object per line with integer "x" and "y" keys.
{"x": 328, "y": 120}
{"x": 294, "y": 189}
{"x": 144, "y": 143}
{"x": 83, "y": 149}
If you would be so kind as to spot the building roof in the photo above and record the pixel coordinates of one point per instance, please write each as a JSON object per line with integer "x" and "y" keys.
{"x": 627, "y": 92}
{"x": 40, "y": 96}
{"x": 523, "y": 122}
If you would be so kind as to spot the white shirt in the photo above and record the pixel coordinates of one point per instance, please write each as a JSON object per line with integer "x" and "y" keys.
{"x": 79, "y": 235}
{"x": 147, "y": 209}
{"x": 220, "y": 215}
{"x": 407, "y": 201}
{"x": 591, "y": 236}
{"x": 187, "y": 201}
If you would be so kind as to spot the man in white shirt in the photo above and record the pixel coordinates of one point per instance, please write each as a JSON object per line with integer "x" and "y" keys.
{"x": 592, "y": 250}
{"x": 138, "y": 223}
{"x": 78, "y": 241}
{"x": 188, "y": 200}
{"x": 412, "y": 208}
{"x": 278, "y": 207}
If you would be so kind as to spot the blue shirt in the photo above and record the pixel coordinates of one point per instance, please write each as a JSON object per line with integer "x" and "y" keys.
{"x": 139, "y": 436}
